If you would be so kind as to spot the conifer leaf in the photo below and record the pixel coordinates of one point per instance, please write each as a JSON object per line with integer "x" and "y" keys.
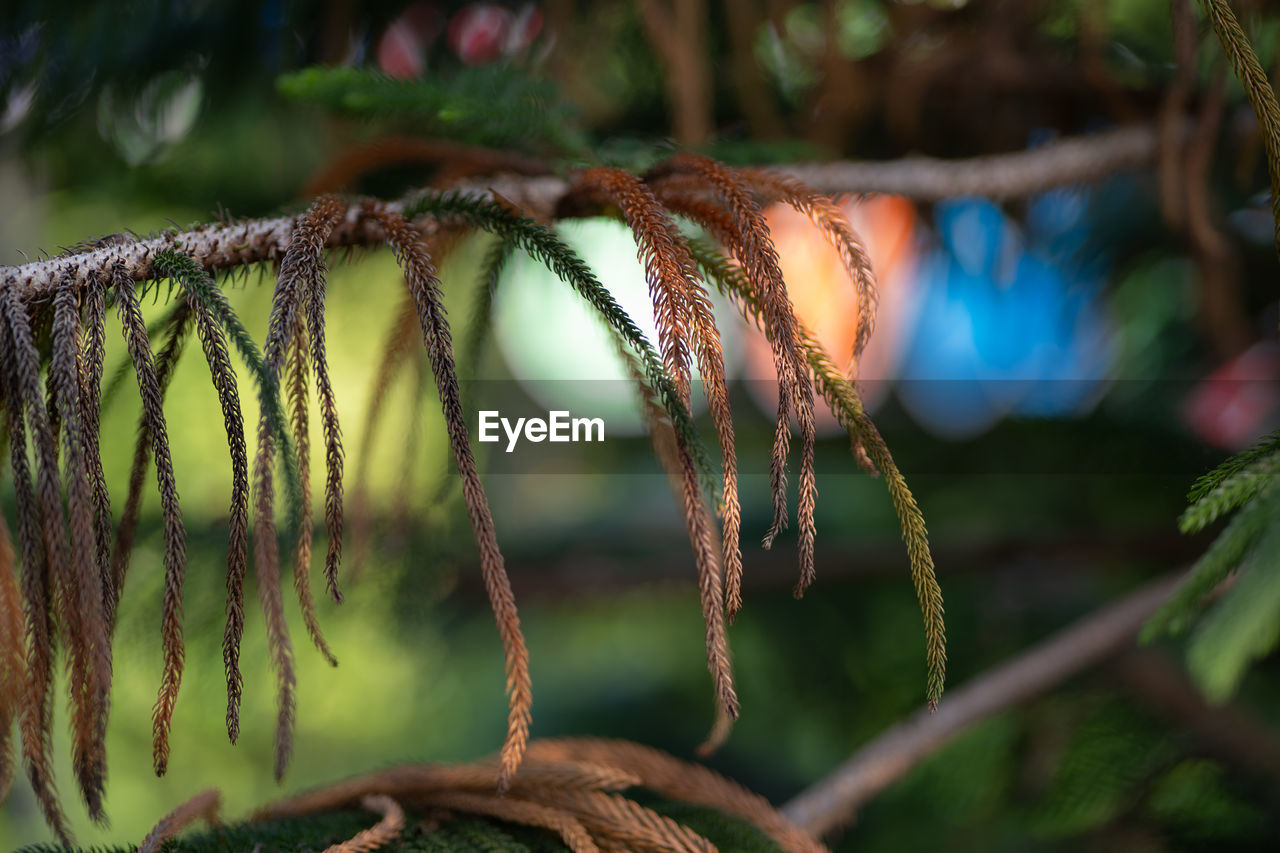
{"x": 1231, "y": 492}
{"x": 420, "y": 276}
{"x": 741, "y": 226}
{"x": 37, "y": 589}
{"x": 175, "y": 550}
{"x": 1207, "y": 483}
{"x": 165, "y": 364}
{"x": 1223, "y": 557}
{"x": 203, "y": 805}
{"x": 513, "y": 810}
{"x": 200, "y": 288}
{"x": 1257, "y": 88}
{"x": 300, "y": 272}
{"x": 91, "y": 668}
{"x": 679, "y": 780}
{"x": 843, "y": 399}
{"x": 544, "y": 246}
{"x": 827, "y": 216}
{"x": 685, "y": 321}
{"x": 89, "y": 368}
{"x": 296, "y": 377}
{"x": 1243, "y": 625}
{"x": 386, "y": 830}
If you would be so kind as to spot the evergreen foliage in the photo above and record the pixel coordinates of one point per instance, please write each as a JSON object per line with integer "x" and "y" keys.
{"x": 490, "y": 105}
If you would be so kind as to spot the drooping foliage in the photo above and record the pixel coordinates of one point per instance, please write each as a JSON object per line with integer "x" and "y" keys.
{"x": 65, "y": 510}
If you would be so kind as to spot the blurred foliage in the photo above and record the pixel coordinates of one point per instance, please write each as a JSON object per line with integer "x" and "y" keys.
{"x": 493, "y": 105}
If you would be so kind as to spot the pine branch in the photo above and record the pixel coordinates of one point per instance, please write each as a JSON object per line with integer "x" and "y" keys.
{"x": 680, "y": 780}
{"x": 386, "y": 830}
{"x": 205, "y": 305}
{"x": 1224, "y": 555}
{"x": 1076, "y": 160}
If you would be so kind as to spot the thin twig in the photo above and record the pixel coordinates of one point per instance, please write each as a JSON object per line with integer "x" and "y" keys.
{"x": 1075, "y": 160}
{"x": 835, "y": 799}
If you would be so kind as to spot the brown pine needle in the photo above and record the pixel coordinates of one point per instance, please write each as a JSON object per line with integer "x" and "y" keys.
{"x": 843, "y": 399}
{"x": 13, "y": 666}
{"x": 175, "y": 550}
{"x": 214, "y": 343}
{"x": 90, "y": 370}
{"x": 741, "y": 226}
{"x": 411, "y": 780}
{"x": 710, "y": 589}
{"x": 332, "y": 429}
{"x": 679, "y": 780}
{"x": 523, "y": 812}
{"x": 92, "y": 689}
{"x": 683, "y": 312}
{"x": 166, "y": 363}
{"x": 380, "y": 834}
{"x": 299, "y": 270}
{"x": 37, "y": 707}
{"x": 203, "y": 805}
{"x": 614, "y": 820}
{"x": 296, "y": 370}
{"x": 266, "y": 560}
{"x": 835, "y": 227}
{"x": 425, "y": 287}
{"x": 49, "y": 528}
{"x": 663, "y": 270}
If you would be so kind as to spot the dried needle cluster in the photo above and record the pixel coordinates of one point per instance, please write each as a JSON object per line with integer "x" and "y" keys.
{"x": 74, "y": 554}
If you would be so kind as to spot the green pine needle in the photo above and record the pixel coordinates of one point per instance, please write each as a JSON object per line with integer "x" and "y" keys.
{"x": 1264, "y": 447}
{"x": 1243, "y": 626}
{"x": 1224, "y": 556}
{"x": 1230, "y": 492}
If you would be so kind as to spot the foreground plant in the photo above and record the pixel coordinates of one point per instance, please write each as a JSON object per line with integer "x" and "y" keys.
{"x": 583, "y": 790}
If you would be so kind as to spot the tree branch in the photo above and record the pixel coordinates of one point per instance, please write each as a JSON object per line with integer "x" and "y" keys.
{"x": 221, "y": 246}
{"x": 834, "y": 800}
{"x": 1081, "y": 159}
